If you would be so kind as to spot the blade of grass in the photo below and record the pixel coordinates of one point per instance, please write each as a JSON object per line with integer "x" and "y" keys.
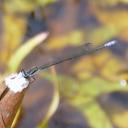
{"x": 55, "y": 101}
{"x": 24, "y": 50}
{"x": 16, "y": 119}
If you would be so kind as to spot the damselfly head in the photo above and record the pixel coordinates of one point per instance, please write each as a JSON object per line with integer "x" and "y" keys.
{"x": 30, "y": 73}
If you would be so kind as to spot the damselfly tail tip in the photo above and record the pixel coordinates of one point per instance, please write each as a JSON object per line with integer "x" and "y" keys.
{"x": 110, "y": 43}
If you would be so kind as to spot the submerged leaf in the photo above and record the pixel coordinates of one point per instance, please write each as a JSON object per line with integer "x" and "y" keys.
{"x": 73, "y": 38}
{"x": 96, "y": 117}
{"x": 110, "y": 2}
{"x": 24, "y": 6}
{"x": 121, "y": 119}
{"x": 103, "y": 65}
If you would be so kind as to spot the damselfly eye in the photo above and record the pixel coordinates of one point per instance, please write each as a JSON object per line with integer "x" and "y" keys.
{"x": 24, "y": 73}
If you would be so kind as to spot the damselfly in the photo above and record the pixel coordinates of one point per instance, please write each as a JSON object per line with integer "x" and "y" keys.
{"x": 82, "y": 50}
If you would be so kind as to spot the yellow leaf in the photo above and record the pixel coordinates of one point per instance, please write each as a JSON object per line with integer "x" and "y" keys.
{"x": 102, "y": 34}
{"x": 123, "y": 35}
{"x": 117, "y": 18}
{"x": 100, "y": 65}
{"x": 109, "y": 2}
{"x": 24, "y": 6}
{"x": 121, "y": 119}
{"x": 19, "y": 6}
{"x": 72, "y": 38}
{"x": 14, "y": 29}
